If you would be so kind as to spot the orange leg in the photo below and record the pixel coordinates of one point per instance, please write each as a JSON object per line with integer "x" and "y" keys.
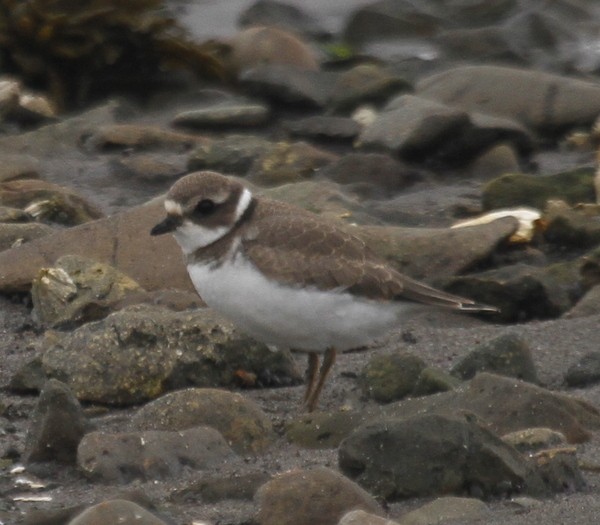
{"x": 311, "y": 374}
{"x": 328, "y": 362}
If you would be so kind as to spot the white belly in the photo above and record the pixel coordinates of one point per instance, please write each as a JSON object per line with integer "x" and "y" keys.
{"x": 302, "y": 319}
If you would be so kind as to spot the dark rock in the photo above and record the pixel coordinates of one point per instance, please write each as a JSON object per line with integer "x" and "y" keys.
{"x": 494, "y": 162}
{"x": 559, "y": 469}
{"x": 371, "y": 174}
{"x": 57, "y": 426}
{"x": 138, "y": 353}
{"x": 413, "y": 127}
{"x": 116, "y": 511}
{"x": 441, "y": 454}
{"x": 543, "y": 101}
{"x": 584, "y": 372}
{"x": 242, "y": 423}
{"x": 506, "y": 355}
{"x": 390, "y": 377}
{"x": 289, "y": 85}
{"x": 150, "y": 455}
{"x": 517, "y": 189}
{"x": 232, "y": 154}
{"x": 77, "y": 290}
{"x": 324, "y": 128}
{"x": 288, "y": 162}
{"x": 365, "y": 83}
{"x": 48, "y": 202}
{"x": 285, "y": 16}
{"x": 589, "y": 304}
{"x": 304, "y": 497}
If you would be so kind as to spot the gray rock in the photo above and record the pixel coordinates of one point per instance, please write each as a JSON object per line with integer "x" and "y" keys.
{"x": 413, "y": 127}
{"x": 212, "y": 489}
{"x": 559, "y": 468}
{"x": 585, "y": 372}
{"x": 289, "y": 85}
{"x": 141, "y": 351}
{"x": 15, "y": 235}
{"x": 151, "y": 167}
{"x": 442, "y": 510}
{"x": 588, "y": 305}
{"x": 432, "y": 380}
{"x": 150, "y": 455}
{"x": 441, "y": 454}
{"x": 507, "y": 355}
{"x": 500, "y": 159}
{"x": 13, "y": 215}
{"x": 322, "y": 430}
{"x": 232, "y": 113}
{"x": 241, "y": 422}
{"x": 305, "y": 497}
{"x": 390, "y": 377}
{"x": 57, "y": 426}
{"x": 19, "y": 166}
{"x": 324, "y": 128}
{"x": 360, "y": 517}
{"x": 542, "y": 101}
{"x": 77, "y": 290}
{"x": 116, "y": 511}
{"x": 578, "y": 227}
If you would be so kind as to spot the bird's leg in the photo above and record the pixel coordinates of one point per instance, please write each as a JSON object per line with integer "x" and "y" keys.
{"x": 328, "y": 361}
{"x": 311, "y": 374}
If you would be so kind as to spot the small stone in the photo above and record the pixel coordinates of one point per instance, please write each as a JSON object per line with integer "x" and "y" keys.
{"x": 13, "y": 235}
{"x": 116, "y": 511}
{"x": 57, "y": 426}
{"x": 534, "y": 439}
{"x": 360, "y": 517}
{"x": 507, "y": 355}
{"x": 151, "y": 167}
{"x": 226, "y": 114}
{"x": 559, "y": 469}
{"x": 442, "y": 510}
{"x": 324, "y": 128}
{"x": 213, "y": 489}
{"x": 305, "y": 497}
{"x": 433, "y": 380}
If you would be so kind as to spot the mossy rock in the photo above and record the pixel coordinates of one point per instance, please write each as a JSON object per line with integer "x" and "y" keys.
{"x": 518, "y": 189}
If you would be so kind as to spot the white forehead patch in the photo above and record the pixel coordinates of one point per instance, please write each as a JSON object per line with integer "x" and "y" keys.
{"x": 191, "y": 236}
{"x": 243, "y": 203}
{"x": 173, "y": 208}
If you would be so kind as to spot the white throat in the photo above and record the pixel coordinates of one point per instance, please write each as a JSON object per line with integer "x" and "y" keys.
{"x": 191, "y": 236}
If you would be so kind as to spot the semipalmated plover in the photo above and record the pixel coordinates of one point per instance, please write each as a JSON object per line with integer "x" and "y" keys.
{"x": 286, "y": 276}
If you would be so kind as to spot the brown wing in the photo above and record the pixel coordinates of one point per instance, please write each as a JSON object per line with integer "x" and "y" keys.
{"x": 309, "y": 251}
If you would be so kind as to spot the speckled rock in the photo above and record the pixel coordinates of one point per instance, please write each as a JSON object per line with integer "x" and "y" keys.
{"x": 241, "y": 422}
{"x": 116, "y": 511}
{"x": 305, "y": 497}
{"x": 13, "y": 235}
{"x": 586, "y": 371}
{"x": 534, "y": 439}
{"x": 150, "y": 455}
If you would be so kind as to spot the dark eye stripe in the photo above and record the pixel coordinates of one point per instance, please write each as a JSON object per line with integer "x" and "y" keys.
{"x": 204, "y": 207}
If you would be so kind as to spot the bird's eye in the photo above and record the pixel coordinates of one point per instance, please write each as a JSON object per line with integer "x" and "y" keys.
{"x": 204, "y": 207}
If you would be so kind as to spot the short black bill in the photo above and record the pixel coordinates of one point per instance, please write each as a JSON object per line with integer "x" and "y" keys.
{"x": 169, "y": 224}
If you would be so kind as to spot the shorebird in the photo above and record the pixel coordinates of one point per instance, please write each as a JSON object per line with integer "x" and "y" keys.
{"x": 289, "y": 277}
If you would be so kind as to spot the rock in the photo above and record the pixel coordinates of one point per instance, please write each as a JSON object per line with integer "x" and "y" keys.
{"x": 588, "y": 305}
{"x": 288, "y": 162}
{"x": 48, "y": 202}
{"x": 534, "y": 439}
{"x": 18, "y": 166}
{"x": 319, "y": 495}
{"x": 365, "y": 83}
{"x": 390, "y": 377}
{"x": 324, "y": 128}
{"x": 371, "y": 175}
{"x": 507, "y": 355}
{"x": 578, "y": 227}
{"x": 498, "y": 160}
{"x": 517, "y": 189}
{"x": 57, "y": 426}
{"x": 442, "y": 510}
{"x": 585, "y": 372}
{"x": 150, "y": 455}
{"x": 289, "y": 85}
{"x": 322, "y": 430}
{"x": 360, "y": 517}
{"x": 413, "y": 128}
{"x": 118, "y": 240}
{"x": 285, "y": 16}
{"x": 151, "y": 167}
{"x": 15, "y": 235}
{"x": 242, "y": 423}
{"x": 141, "y": 351}
{"x": 546, "y": 102}
{"x": 13, "y": 215}
{"x": 212, "y": 489}
{"x": 433, "y": 380}
{"x": 77, "y": 290}
{"x": 559, "y": 469}
{"x": 140, "y": 137}
{"x": 441, "y": 454}
{"x": 258, "y": 46}
{"x": 230, "y": 113}
{"x": 233, "y": 154}
{"x": 116, "y": 511}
